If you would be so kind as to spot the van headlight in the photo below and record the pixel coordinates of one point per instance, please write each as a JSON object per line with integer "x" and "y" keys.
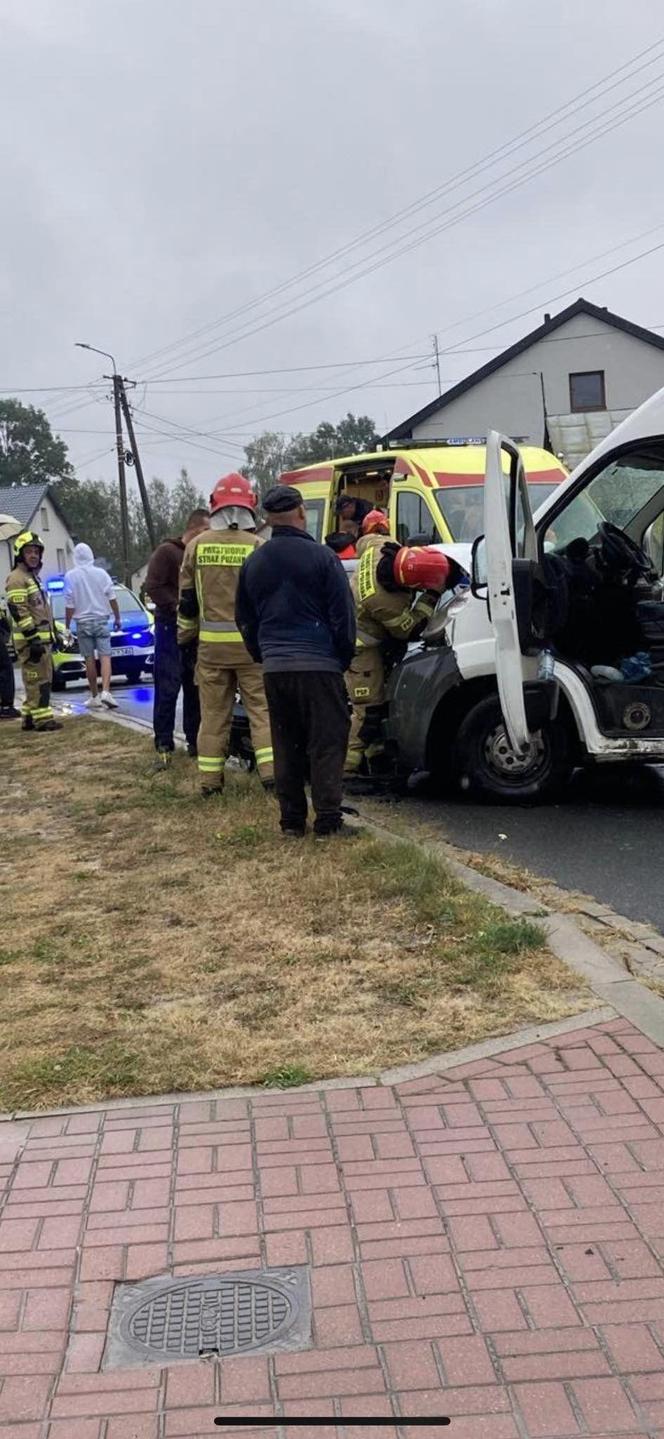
{"x": 448, "y": 607}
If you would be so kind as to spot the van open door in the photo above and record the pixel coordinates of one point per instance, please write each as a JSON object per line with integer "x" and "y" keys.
{"x": 510, "y": 555}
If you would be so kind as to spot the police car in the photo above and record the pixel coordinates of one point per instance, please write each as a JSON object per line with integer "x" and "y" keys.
{"x": 132, "y": 648}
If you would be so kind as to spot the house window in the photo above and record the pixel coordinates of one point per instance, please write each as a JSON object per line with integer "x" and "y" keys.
{"x": 61, "y": 560}
{"x": 43, "y": 517}
{"x": 587, "y": 391}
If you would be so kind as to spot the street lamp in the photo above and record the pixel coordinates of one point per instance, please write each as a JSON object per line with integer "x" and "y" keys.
{"x": 81, "y": 345}
{"x": 119, "y": 442}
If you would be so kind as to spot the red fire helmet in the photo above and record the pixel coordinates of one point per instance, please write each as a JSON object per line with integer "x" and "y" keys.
{"x": 232, "y": 490}
{"x": 375, "y": 523}
{"x": 420, "y": 567}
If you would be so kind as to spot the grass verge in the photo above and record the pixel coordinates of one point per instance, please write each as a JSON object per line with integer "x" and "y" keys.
{"x": 160, "y": 944}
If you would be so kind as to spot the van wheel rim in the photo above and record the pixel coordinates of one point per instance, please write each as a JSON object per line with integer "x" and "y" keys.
{"x": 502, "y": 760}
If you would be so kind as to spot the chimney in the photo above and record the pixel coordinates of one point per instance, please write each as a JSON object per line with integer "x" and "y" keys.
{"x": 547, "y": 317}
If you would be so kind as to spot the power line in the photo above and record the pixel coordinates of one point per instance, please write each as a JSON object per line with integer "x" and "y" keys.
{"x": 354, "y": 363}
{"x": 225, "y": 375}
{"x": 413, "y": 360}
{"x": 41, "y": 389}
{"x": 548, "y": 121}
{"x": 261, "y": 419}
{"x": 180, "y": 432}
{"x": 415, "y": 238}
{"x": 96, "y": 455}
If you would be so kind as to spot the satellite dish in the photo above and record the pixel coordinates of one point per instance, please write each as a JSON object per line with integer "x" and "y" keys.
{"x": 9, "y": 527}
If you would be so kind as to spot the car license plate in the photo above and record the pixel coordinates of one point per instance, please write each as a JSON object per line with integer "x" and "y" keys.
{"x": 125, "y": 650}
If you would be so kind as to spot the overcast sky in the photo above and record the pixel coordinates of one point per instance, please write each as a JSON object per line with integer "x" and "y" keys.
{"x": 166, "y": 165}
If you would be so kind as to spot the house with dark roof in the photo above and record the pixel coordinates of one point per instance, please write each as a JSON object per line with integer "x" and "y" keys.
{"x": 565, "y": 385}
{"x": 36, "y": 508}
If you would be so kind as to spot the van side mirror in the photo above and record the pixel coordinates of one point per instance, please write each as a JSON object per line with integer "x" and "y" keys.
{"x": 478, "y": 570}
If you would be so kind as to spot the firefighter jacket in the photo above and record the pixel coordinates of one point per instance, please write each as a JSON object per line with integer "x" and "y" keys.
{"x": 29, "y": 609}
{"x": 381, "y": 613}
{"x": 208, "y": 585}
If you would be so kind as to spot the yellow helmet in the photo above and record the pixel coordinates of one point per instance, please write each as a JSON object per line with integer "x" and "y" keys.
{"x": 27, "y": 537}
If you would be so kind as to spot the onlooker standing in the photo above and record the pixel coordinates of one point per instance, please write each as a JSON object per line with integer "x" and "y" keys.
{"x": 7, "y": 688}
{"x": 89, "y": 599}
{"x": 295, "y": 613}
{"x": 173, "y": 667}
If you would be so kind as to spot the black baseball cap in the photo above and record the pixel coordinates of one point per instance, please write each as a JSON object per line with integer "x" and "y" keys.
{"x": 282, "y": 498}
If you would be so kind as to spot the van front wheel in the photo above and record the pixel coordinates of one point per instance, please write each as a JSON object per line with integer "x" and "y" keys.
{"x": 486, "y": 766}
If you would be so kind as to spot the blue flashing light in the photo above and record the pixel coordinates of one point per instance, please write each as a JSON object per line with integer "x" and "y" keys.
{"x": 139, "y": 634}
{"x": 55, "y": 585}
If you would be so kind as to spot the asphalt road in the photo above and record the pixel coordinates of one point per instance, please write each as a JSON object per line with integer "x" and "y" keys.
{"x": 605, "y": 837}
{"x": 134, "y": 701}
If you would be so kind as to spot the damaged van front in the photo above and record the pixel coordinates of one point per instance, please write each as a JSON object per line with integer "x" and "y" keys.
{"x": 554, "y": 655}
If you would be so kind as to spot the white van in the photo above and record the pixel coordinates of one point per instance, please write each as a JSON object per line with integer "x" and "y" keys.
{"x": 554, "y": 655}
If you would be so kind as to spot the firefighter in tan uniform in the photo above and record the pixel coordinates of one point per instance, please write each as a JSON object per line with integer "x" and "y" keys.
{"x": 32, "y": 629}
{"x": 389, "y": 616}
{"x": 208, "y": 583}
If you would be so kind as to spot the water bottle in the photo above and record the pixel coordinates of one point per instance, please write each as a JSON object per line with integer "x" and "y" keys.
{"x": 546, "y": 667}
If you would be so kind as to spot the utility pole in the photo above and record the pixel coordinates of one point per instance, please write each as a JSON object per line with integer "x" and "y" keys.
{"x": 120, "y": 407}
{"x": 137, "y": 462}
{"x": 546, "y": 442}
{"x": 122, "y": 478}
{"x": 436, "y": 360}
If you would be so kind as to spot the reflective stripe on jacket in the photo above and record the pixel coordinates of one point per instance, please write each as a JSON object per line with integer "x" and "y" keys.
{"x": 381, "y": 613}
{"x": 208, "y": 585}
{"x": 29, "y": 608}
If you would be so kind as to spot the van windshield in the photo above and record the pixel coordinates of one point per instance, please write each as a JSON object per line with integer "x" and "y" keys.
{"x": 463, "y": 507}
{"x": 626, "y": 487}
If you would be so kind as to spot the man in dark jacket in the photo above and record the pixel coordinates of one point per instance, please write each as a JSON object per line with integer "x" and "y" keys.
{"x": 172, "y": 670}
{"x": 295, "y": 613}
{"x": 7, "y": 707}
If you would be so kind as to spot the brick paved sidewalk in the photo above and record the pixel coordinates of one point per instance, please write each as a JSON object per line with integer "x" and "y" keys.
{"x": 487, "y": 1244}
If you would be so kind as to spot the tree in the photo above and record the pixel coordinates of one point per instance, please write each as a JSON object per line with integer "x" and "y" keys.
{"x": 184, "y": 498}
{"x": 266, "y": 458}
{"x": 270, "y": 454}
{"x": 170, "y": 511}
{"x": 92, "y": 511}
{"x": 30, "y": 454}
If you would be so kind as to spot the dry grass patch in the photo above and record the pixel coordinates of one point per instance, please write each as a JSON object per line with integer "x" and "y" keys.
{"x": 157, "y": 943}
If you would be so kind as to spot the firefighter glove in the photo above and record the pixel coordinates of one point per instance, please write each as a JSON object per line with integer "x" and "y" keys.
{"x": 188, "y": 607}
{"x": 36, "y": 650}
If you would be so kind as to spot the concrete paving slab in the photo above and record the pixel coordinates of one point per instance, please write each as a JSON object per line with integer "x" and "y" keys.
{"x": 484, "y": 1241}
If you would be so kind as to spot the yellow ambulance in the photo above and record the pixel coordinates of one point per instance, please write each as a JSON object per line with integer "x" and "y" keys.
{"x": 431, "y": 492}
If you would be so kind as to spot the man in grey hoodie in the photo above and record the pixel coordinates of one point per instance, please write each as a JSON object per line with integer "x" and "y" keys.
{"x": 89, "y": 599}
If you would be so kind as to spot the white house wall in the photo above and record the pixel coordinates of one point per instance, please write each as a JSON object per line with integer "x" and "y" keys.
{"x": 511, "y": 399}
{"x": 56, "y": 537}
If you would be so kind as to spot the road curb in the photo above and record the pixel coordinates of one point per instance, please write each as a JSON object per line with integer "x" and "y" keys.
{"x": 485, "y": 1049}
{"x": 617, "y": 991}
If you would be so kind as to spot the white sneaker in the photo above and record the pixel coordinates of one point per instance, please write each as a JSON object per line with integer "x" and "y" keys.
{"x": 93, "y": 702}
{"x": 108, "y": 701}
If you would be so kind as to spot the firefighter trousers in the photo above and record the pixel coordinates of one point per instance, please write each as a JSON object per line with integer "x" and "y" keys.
{"x": 217, "y": 687}
{"x": 37, "y": 676}
{"x": 366, "y": 689}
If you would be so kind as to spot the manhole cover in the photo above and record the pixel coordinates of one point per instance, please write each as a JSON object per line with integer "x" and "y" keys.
{"x": 163, "y": 1321}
